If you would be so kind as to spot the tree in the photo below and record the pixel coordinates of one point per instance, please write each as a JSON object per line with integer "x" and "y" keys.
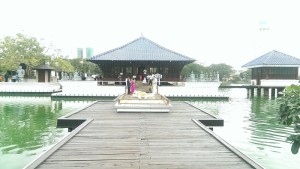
{"x": 21, "y": 49}
{"x": 62, "y": 65}
{"x": 235, "y": 78}
{"x": 225, "y": 71}
{"x": 196, "y": 68}
{"x": 246, "y": 75}
{"x": 289, "y": 114}
{"x": 83, "y": 66}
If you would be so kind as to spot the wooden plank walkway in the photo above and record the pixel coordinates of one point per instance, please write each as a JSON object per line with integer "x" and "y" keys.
{"x": 143, "y": 140}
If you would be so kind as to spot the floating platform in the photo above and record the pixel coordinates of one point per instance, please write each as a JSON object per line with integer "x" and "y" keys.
{"x": 147, "y": 103}
{"x": 90, "y": 90}
{"x": 28, "y": 89}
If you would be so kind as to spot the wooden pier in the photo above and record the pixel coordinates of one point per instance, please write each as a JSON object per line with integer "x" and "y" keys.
{"x": 107, "y": 139}
{"x": 258, "y": 90}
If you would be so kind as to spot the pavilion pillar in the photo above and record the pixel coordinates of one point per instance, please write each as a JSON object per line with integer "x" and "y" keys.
{"x": 276, "y": 93}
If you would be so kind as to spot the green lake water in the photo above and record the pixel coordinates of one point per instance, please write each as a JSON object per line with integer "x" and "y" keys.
{"x": 251, "y": 125}
{"x": 28, "y": 128}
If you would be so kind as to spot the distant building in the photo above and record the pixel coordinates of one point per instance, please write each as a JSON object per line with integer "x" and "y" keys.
{"x": 139, "y": 56}
{"x": 89, "y": 53}
{"x": 274, "y": 69}
{"x": 80, "y": 53}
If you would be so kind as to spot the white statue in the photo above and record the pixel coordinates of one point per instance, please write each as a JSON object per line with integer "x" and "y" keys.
{"x": 64, "y": 76}
{"x": 76, "y": 73}
{"x": 20, "y": 73}
{"x": 154, "y": 85}
{"x": 76, "y": 76}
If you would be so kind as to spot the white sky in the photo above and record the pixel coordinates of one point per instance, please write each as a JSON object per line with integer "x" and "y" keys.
{"x": 210, "y": 31}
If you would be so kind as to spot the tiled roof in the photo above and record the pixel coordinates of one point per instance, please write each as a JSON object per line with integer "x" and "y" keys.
{"x": 43, "y": 67}
{"x": 273, "y": 58}
{"x": 141, "y": 49}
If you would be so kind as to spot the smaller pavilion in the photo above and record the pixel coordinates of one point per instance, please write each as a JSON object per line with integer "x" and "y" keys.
{"x": 274, "y": 69}
{"x": 43, "y": 72}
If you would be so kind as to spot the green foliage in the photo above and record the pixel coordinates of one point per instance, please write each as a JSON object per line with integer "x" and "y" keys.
{"x": 83, "y": 66}
{"x": 62, "y": 65}
{"x": 295, "y": 143}
{"x": 20, "y": 49}
{"x": 289, "y": 114}
{"x": 196, "y": 68}
{"x": 225, "y": 71}
{"x": 27, "y": 50}
{"x": 246, "y": 75}
{"x": 235, "y": 78}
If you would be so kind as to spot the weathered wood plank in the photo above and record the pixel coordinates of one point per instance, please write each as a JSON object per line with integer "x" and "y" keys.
{"x": 143, "y": 140}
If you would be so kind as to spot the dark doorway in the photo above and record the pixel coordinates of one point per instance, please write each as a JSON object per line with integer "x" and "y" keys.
{"x": 140, "y": 71}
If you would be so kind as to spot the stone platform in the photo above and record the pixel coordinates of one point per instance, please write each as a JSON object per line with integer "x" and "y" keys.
{"x": 142, "y": 102}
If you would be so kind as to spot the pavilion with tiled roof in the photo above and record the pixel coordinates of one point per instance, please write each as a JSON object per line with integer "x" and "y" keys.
{"x": 141, "y": 54}
{"x": 273, "y": 67}
{"x": 43, "y": 72}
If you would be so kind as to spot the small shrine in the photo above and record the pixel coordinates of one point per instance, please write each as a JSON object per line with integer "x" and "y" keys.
{"x": 43, "y": 72}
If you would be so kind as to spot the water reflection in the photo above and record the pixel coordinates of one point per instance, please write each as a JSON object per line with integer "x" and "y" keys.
{"x": 251, "y": 125}
{"x": 268, "y": 131}
{"x": 28, "y": 127}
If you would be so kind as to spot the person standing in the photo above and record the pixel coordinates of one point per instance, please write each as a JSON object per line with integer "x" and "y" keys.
{"x": 128, "y": 85}
{"x": 154, "y": 85}
{"x": 132, "y": 85}
{"x": 120, "y": 78}
{"x": 6, "y": 77}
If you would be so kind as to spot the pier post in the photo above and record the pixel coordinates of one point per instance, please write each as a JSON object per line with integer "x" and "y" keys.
{"x": 265, "y": 91}
{"x": 273, "y": 92}
{"x": 252, "y": 92}
{"x": 270, "y": 92}
{"x": 258, "y": 92}
{"x": 276, "y": 92}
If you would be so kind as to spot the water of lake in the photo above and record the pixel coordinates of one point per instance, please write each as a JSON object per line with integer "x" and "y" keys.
{"x": 251, "y": 125}
{"x": 28, "y": 128}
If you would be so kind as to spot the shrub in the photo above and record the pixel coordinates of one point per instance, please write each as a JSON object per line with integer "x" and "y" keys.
{"x": 289, "y": 114}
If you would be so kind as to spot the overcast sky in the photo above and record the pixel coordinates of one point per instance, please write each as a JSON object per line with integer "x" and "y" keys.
{"x": 211, "y": 31}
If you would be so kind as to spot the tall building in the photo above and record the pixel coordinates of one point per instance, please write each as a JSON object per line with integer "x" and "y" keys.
{"x": 80, "y": 53}
{"x": 89, "y": 53}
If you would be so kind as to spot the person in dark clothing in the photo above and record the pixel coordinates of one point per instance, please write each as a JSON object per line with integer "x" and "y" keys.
{"x": 6, "y": 77}
{"x": 128, "y": 85}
